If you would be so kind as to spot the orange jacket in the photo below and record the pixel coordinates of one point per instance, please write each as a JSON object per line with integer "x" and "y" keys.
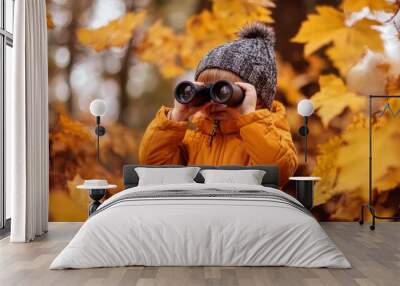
{"x": 256, "y": 138}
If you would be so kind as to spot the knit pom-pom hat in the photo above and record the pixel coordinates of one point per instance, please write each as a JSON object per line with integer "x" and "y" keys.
{"x": 251, "y": 57}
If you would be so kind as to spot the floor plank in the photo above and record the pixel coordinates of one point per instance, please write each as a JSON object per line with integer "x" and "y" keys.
{"x": 375, "y": 257}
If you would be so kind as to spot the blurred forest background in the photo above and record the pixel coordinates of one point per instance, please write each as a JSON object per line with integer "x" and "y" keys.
{"x": 131, "y": 53}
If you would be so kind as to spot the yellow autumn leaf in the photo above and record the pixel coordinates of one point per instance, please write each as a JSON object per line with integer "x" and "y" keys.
{"x": 352, "y": 159}
{"x": 350, "y": 47}
{"x": 388, "y": 181}
{"x": 74, "y": 128}
{"x": 346, "y": 207}
{"x": 334, "y": 97}
{"x": 394, "y": 105}
{"x": 80, "y": 197}
{"x": 342, "y": 163}
{"x": 340, "y": 203}
{"x": 116, "y": 33}
{"x": 233, "y": 14}
{"x": 162, "y": 46}
{"x": 211, "y": 28}
{"x": 316, "y": 65}
{"x": 349, "y": 43}
{"x": 49, "y": 20}
{"x": 393, "y": 86}
{"x": 343, "y": 58}
{"x": 70, "y": 210}
{"x": 76, "y": 200}
{"x": 203, "y": 32}
{"x": 326, "y": 169}
{"x": 350, "y": 6}
{"x": 175, "y": 53}
{"x": 320, "y": 29}
{"x": 289, "y": 82}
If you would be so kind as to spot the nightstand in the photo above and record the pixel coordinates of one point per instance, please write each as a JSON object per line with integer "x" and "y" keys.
{"x": 97, "y": 191}
{"x": 305, "y": 190}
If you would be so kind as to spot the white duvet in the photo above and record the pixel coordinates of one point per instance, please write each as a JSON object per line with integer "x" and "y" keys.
{"x": 204, "y": 231}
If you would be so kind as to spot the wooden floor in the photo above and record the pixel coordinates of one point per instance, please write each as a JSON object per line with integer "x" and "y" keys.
{"x": 375, "y": 257}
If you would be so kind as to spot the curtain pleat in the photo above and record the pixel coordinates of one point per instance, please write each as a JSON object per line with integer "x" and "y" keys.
{"x": 15, "y": 121}
{"x": 29, "y": 157}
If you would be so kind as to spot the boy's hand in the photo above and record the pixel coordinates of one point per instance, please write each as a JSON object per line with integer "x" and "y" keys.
{"x": 250, "y": 100}
{"x": 182, "y": 112}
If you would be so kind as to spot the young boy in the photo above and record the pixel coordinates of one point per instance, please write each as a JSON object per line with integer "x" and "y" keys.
{"x": 254, "y": 133}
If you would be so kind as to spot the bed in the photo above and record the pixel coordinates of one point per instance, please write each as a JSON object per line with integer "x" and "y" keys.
{"x": 197, "y": 224}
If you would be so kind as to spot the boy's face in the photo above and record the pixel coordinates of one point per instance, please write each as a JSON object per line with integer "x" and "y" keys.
{"x": 219, "y": 112}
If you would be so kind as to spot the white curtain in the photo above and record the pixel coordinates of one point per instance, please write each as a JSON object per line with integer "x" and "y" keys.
{"x": 27, "y": 124}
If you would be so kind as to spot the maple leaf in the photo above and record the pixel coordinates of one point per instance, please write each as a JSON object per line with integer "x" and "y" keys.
{"x": 349, "y": 43}
{"x": 316, "y": 65}
{"x": 352, "y": 159}
{"x": 203, "y": 32}
{"x": 345, "y": 207}
{"x": 343, "y": 58}
{"x": 175, "y": 53}
{"x": 74, "y": 128}
{"x": 327, "y": 170}
{"x": 334, "y": 97}
{"x": 233, "y": 14}
{"x": 209, "y": 29}
{"x": 320, "y": 29}
{"x": 393, "y": 86}
{"x": 290, "y": 81}
{"x": 352, "y": 44}
{"x": 340, "y": 203}
{"x": 72, "y": 149}
{"x": 350, "y": 6}
{"x": 388, "y": 181}
{"x": 63, "y": 208}
{"x": 342, "y": 163}
{"x": 78, "y": 196}
{"x": 116, "y": 33}
{"x": 162, "y": 46}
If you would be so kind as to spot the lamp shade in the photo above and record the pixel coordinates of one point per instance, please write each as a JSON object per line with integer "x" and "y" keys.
{"x": 305, "y": 107}
{"x": 98, "y": 107}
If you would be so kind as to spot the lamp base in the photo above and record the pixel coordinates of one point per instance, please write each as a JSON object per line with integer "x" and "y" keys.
{"x": 96, "y": 195}
{"x": 305, "y": 193}
{"x": 374, "y": 216}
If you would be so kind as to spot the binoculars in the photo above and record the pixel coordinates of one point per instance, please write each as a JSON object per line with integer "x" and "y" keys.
{"x": 222, "y": 92}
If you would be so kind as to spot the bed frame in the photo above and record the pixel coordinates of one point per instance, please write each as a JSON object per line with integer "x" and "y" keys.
{"x": 270, "y": 179}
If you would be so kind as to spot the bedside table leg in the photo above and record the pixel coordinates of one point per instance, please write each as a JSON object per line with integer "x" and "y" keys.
{"x": 305, "y": 193}
{"x": 96, "y": 195}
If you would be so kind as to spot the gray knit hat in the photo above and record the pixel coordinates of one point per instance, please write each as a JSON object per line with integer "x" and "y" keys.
{"x": 251, "y": 57}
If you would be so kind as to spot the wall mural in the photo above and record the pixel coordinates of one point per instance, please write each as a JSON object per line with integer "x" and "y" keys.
{"x": 132, "y": 54}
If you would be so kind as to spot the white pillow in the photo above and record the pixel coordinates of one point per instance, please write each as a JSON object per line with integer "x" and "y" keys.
{"x": 166, "y": 176}
{"x": 248, "y": 177}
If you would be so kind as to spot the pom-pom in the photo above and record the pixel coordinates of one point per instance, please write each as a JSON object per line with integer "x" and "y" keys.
{"x": 258, "y": 30}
